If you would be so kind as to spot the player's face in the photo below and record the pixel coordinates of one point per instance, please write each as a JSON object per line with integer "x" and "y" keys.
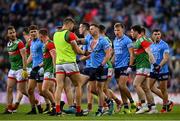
{"x": 81, "y": 29}
{"x": 118, "y": 31}
{"x": 134, "y": 34}
{"x": 11, "y": 34}
{"x": 93, "y": 30}
{"x": 71, "y": 26}
{"x": 156, "y": 36}
{"x": 33, "y": 34}
{"x": 41, "y": 37}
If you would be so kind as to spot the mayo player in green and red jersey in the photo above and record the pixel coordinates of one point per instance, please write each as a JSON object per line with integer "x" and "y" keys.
{"x": 26, "y": 36}
{"x": 49, "y": 58}
{"x": 17, "y": 73}
{"x": 143, "y": 60}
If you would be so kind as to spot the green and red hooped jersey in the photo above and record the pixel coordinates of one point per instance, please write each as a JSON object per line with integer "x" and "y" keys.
{"x": 141, "y": 57}
{"x": 47, "y": 59}
{"x": 15, "y": 58}
{"x": 28, "y": 44}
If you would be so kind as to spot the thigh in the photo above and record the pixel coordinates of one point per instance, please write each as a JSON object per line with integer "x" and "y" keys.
{"x": 22, "y": 86}
{"x": 123, "y": 80}
{"x": 138, "y": 80}
{"x": 32, "y": 84}
{"x": 11, "y": 81}
{"x": 76, "y": 79}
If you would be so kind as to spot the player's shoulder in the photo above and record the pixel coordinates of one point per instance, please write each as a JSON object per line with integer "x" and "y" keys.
{"x": 127, "y": 38}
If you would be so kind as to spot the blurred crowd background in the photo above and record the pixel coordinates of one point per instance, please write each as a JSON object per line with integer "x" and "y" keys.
{"x": 162, "y": 14}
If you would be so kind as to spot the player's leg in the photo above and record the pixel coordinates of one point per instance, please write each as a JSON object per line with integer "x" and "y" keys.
{"x": 48, "y": 85}
{"x": 140, "y": 92}
{"x": 76, "y": 80}
{"x": 31, "y": 88}
{"x": 70, "y": 96}
{"x": 149, "y": 97}
{"x": 167, "y": 104}
{"x": 11, "y": 82}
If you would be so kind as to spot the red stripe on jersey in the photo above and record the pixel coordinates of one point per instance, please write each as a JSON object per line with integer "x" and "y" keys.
{"x": 145, "y": 44}
{"x": 20, "y": 45}
{"x": 139, "y": 51}
{"x": 72, "y": 37}
{"x": 14, "y": 52}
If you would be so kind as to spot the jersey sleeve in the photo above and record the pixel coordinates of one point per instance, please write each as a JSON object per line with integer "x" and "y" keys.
{"x": 21, "y": 45}
{"x": 50, "y": 46}
{"x": 70, "y": 36}
{"x": 106, "y": 44}
{"x": 145, "y": 44}
{"x": 165, "y": 48}
{"x": 129, "y": 43}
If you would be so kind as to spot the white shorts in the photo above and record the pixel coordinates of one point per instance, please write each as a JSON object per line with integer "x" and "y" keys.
{"x": 49, "y": 76}
{"x": 16, "y": 74}
{"x": 68, "y": 68}
{"x": 29, "y": 71}
{"x": 110, "y": 72}
{"x": 143, "y": 71}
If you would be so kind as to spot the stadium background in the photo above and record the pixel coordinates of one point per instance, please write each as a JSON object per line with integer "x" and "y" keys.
{"x": 163, "y": 14}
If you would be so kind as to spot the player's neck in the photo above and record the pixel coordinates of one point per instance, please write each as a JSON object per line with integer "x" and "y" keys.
{"x": 96, "y": 37}
{"x": 139, "y": 36}
{"x": 86, "y": 33}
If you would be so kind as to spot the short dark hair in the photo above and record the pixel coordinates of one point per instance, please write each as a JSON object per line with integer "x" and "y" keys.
{"x": 102, "y": 28}
{"x": 116, "y": 25}
{"x": 33, "y": 27}
{"x": 156, "y": 30}
{"x": 143, "y": 29}
{"x": 26, "y": 30}
{"x": 69, "y": 20}
{"x": 43, "y": 31}
{"x": 137, "y": 28}
{"x": 95, "y": 25}
{"x": 86, "y": 25}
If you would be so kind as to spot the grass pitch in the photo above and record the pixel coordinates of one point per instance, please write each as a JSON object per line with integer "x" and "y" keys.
{"x": 23, "y": 109}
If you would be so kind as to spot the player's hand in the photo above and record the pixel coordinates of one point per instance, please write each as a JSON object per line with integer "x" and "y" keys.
{"x": 24, "y": 74}
{"x": 100, "y": 69}
{"x": 78, "y": 61}
{"x": 156, "y": 67}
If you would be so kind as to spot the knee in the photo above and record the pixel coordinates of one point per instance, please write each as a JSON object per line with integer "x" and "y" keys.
{"x": 30, "y": 91}
{"x": 9, "y": 89}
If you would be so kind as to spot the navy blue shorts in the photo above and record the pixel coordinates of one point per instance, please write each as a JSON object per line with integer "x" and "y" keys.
{"x": 121, "y": 72}
{"x": 36, "y": 76}
{"x": 96, "y": 76}
{"x": 86, "y": 71}
{"x": 160, "y": 77}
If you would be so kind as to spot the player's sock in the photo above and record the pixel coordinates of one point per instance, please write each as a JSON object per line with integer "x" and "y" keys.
{"x": 118, "y": 102}
{"x": 126, "y": 106}
{"x": 78, "y": 109}
{"x": 58, "y": 109}
{"x": 131, "y": 100}
{"x": 100, "y": 108}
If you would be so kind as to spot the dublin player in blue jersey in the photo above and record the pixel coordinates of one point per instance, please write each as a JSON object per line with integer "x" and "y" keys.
{"x": 100, "y": 54}
{"x": 36, "y": 75}
{"x": 160, "y": 50}
{"x": 123, "y": 62}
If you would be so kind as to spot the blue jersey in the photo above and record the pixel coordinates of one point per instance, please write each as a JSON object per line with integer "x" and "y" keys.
{"x": 121, "y": 51}
{"x": 87, "y": 38}
{"x": 98, "y": 53}
{"x": 158, "y": 50}
{"x": 36, "y": 52}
